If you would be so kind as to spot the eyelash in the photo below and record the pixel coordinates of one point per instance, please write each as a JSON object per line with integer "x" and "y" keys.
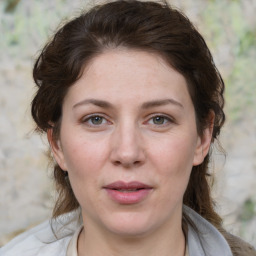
{"x": 167, "y": 120}
{"x": 88, "y": 120}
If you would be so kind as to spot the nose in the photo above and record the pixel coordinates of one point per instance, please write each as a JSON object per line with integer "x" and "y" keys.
{"x": 127, "y": 147}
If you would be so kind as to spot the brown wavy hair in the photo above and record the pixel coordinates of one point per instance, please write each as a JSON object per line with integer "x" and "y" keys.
{"x": 148, "y": 26}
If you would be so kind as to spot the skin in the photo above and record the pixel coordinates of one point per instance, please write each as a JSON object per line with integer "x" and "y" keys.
{"x": 128, "y": 138}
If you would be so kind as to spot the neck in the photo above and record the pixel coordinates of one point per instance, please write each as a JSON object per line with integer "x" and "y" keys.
{"x": 170, "y": 241}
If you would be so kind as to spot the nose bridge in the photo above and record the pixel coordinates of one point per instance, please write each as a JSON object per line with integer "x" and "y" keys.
{"x": 127, "y": 147}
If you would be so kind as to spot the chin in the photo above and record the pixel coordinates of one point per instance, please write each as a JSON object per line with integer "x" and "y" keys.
{"x": 130, "y": 225}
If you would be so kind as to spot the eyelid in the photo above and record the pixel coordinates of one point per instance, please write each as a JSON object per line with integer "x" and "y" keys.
{"x": 167, "y": 117}
{"x": 86, "y": 118}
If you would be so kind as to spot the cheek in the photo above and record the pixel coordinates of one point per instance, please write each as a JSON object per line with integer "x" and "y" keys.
{"x": 84, "y": 161}
{"x": 173, "y": 162}
{"x": 84, "y": 157}
{"x": 175, "y": 155}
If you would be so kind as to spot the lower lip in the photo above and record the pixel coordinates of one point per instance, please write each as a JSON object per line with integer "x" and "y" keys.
{"x": 125, "y": 197}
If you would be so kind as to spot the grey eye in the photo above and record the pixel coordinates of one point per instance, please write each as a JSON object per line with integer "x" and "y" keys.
{"x": 96, "y": 120}
{"x": 159, "y": 120}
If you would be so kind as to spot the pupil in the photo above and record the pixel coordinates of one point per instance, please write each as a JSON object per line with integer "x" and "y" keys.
{"x": 158, "y": 120}
{"x": 97, "y": 120}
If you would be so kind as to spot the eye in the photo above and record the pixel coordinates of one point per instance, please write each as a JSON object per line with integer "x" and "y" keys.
{"x": 95, "y": 120}
{"x": 160, "y": 120}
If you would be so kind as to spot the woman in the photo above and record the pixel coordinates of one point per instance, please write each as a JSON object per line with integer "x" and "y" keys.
{"x": 131, "y": 102}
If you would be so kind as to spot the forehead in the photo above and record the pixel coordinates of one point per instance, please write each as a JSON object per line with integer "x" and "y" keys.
{"x": 137, "y": 64}
{"x": 130, "y": 75}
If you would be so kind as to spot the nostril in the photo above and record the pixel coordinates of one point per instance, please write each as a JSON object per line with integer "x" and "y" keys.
{"x": 127, "y": 156}
{"x": 127, "y": 165}
{"x": 137, "y": 162}
{"x": 117, "y": 163}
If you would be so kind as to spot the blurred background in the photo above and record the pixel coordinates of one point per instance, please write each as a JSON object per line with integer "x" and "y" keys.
{"x": 26, "y": 189}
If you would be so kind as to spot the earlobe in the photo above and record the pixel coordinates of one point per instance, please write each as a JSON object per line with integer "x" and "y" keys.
{"x": 204, "y": 142}
{"x": 56, "y": 149}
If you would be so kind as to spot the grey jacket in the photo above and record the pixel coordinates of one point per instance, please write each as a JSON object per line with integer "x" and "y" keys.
{"x": 41, "y": 241}
{"x": 210, "y": 242}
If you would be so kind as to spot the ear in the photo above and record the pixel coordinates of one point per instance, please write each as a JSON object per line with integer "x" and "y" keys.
{"x": 56, "y": 150}
{"x": 204, "y": 141}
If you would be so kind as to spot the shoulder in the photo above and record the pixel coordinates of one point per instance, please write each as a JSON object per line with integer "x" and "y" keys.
{"x": 48, "y": 238}
{"x": 216, "y": 241}
{"x": 238, "y": 246}
{"x": 36, "y": 241}
{"x": 203, "y": 237}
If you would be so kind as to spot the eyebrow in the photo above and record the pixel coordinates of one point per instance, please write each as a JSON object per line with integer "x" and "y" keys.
{"x": 157, "y": 103}
{"x": 99, "y": 103}
{"x": 146, "y": 105}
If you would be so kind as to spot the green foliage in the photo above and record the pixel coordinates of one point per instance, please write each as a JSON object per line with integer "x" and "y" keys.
{"x": 27, "y": 27}
{"x": 230, "y": 29}
{"x": 248, "y": 210}
{"x": 247, "y": 42}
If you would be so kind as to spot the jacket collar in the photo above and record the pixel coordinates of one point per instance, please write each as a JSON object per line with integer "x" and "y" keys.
{"x": 208, "y": 241}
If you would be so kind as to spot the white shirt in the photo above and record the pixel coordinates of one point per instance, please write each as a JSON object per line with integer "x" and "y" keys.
{"x": 72, "y": 246}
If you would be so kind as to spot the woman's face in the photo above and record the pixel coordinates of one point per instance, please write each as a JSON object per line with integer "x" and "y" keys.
{"x": 129, "y": 140}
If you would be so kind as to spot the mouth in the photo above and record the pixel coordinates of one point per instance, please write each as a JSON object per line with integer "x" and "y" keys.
{"x": 128, "y": 193}
{"x": 127, "y": 187}
{"x": 128, "y": 190}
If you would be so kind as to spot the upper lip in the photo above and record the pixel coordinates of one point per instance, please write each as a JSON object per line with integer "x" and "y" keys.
{"x": 127, "y": 185}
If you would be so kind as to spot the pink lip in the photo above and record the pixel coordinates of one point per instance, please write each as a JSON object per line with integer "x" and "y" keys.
{"x": 128, "y": 193}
